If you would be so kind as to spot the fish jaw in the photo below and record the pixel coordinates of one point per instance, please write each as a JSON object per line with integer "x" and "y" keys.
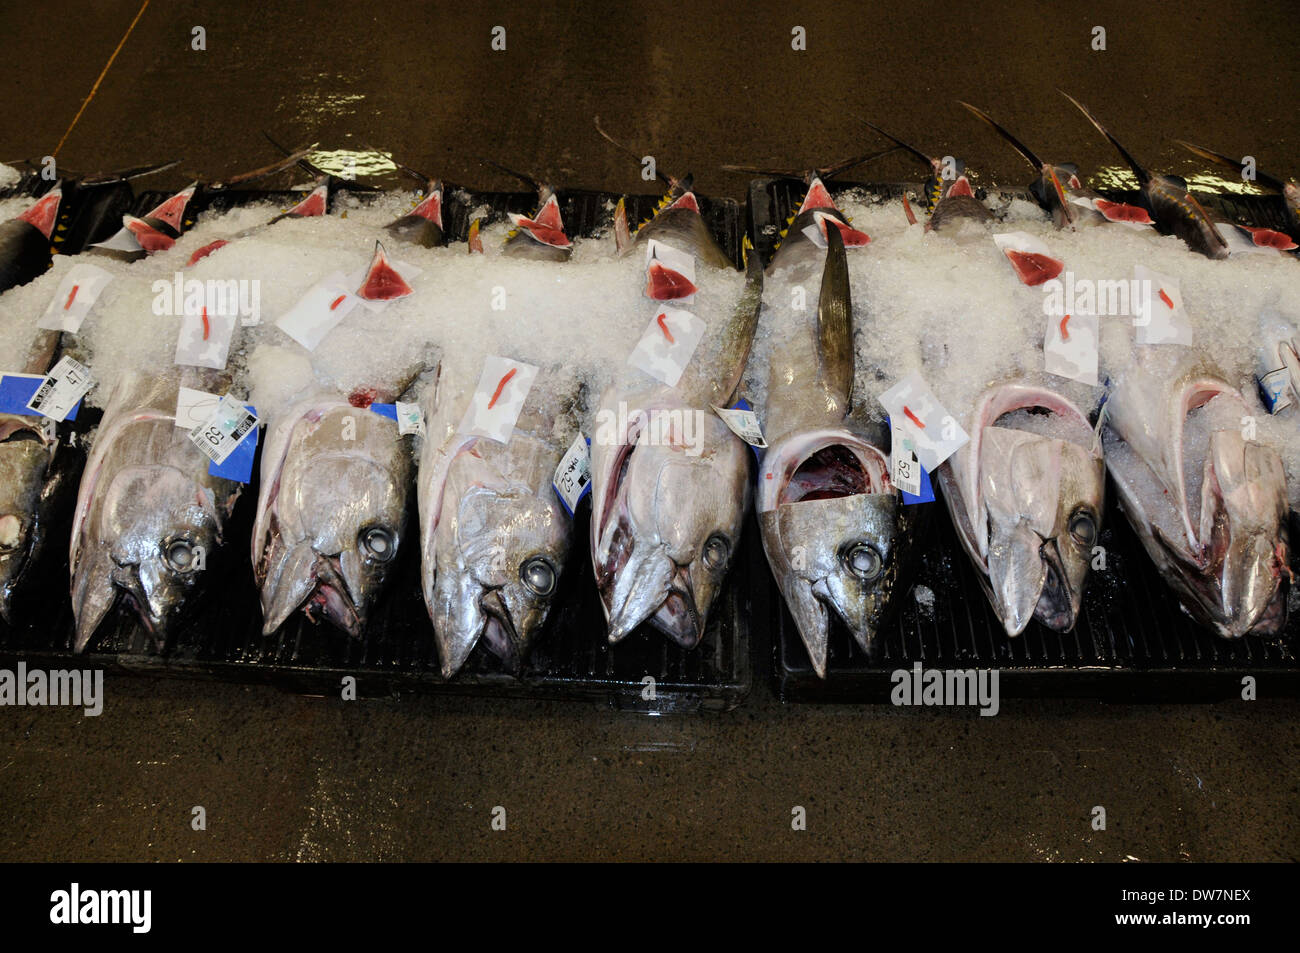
{"x": 492, "y": 564}
{"x": 666, "y": 524}
{"x": 331, "y": 515}
{"x": 830, "y": 522}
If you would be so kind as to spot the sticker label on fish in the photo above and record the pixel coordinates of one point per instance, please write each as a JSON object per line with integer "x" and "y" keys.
{"x": 905, "y": 470}
{"x": 572, "y": 479}
{"x": 17, "y": 389}
{"x": 410, "y": 419}
{"x": 497, "y": 400}
{"x": 1165, "y": 321}
{"x": 319, "y": 310}
{"x": 743, "y": 423}
{"x": 1275, "y": 390}
{"x": 667, "y": 345}
{"x": 933, "y": 433}
{"x": 63, "y": 388}
{"x": 1070, "y": 347}
{"x": 225, "y": 428}
{"x": 74, "y": 298}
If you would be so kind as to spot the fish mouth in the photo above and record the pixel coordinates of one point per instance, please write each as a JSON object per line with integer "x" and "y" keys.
{"x": 500, "y": 633}
{"x": 330, "y": 601}
{"x": 646, "y": 586}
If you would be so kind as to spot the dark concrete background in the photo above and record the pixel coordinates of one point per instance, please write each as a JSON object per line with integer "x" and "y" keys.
{"x": 283, "y": 777}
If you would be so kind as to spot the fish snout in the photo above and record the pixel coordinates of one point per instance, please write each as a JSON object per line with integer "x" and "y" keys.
{"x": 1254, "y": 581}
{"x": 1017, "y": 575}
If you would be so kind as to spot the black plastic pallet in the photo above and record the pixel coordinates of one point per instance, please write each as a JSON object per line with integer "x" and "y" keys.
{"x": 571, "y": 659}
{"x": 1133, "y": 641}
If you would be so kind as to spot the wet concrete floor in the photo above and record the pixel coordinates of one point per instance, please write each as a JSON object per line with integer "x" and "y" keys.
{"x": 285, "y": 777}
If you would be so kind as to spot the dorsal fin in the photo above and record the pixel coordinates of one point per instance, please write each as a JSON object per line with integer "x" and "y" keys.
{"x": 1016, "y": 144}
{"x": 927, "y": 160}
{"x": 1262, "y": 179}
{"x": 1143, "y": 176}
{"x": 835, "y": 321}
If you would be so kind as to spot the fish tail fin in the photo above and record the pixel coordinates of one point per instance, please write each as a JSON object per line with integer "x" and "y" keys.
{"x": 622, "y": 234}
{"x": 1218, "y": 158}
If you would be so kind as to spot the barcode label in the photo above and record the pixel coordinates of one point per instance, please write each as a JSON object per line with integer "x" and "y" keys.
{"x": 573, "y": 475}
{"x": 229, "y": 424}
{"x": 62, "y": 388}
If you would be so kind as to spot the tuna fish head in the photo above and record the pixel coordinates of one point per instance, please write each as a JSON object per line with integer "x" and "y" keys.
{"x": 26, "y": 450}
{"x": 1043, "y": 499}
{"x": 147, "y": 538}
{"x": 331, "y": 517}
{"x": 831, "y": 530}
{"x": 1027, "y": 503}
{"x": 498, "y": 550}
{"x": 667, "y": 524}
{"x": 1243, "y": 535}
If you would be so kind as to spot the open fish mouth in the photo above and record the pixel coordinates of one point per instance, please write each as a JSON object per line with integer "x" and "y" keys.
{"x": 499, "y": 631}
{"x": 330, "y": 600}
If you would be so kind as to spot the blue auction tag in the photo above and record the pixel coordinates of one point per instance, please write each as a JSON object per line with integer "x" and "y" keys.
{"x": 17, "y": 389}
{"x": 385, "y": 410}
{"x": 927, "y": 491}
{"x": 239, "y": 465}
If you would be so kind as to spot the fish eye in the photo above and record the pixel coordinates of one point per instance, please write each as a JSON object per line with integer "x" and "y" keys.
{"x": 863, "y": 561}
{"x": 538, "y": 575}
{"x": 378, "y": 543}
{"x": 180, "y": 554}
{"x": 716, "y": 552}
{"x": 1083, "y": 528}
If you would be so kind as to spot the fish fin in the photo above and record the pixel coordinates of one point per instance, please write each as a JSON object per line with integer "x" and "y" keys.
{"x": 383, "y": 282}
{"x": 475, "y": 242}
{"x": 622, "y": 235}
{"x": 835, "y": 320}
{"x": 1262, "y": 179}
{"x": 665, "y": 178}
{"x": 912, "y": 149}
{"x": 1015, "y": 143}
{"x": 1143, "y": 176}
{"x": 290, "y": 160}
{"x": 907, "y": 210}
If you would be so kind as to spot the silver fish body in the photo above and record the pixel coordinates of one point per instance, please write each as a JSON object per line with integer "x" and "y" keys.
{"x": 331, "y": 512}
{"x": 493, "y": 535}
{"x": 148, "y": 513}
{"x": 1223, "y": 546}
{"x": 1027, "y": 505}
{"x": 834, "y": 528}
{"x": 668, "y": 506}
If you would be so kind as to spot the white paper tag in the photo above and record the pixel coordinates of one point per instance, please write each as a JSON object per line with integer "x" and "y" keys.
{"x": 76, "y": 295}
{"x": 933, "y": 432}
{"x": 194, "y": 407}
{"x": 66, "y": 384}
{"x": 904, "y": 468}
{"x": 204, "y": 338}
{"x": 224, "y": 429}
{"x": 1168, "y": 322}
{"x": 408, "y": 272}
{"x": 573, "y": 475}
{"x": 122, "y": 240}
{"x": 1070, "y": 347}
{"x": 744, "y": 424}
{"x": 667, "y": 345}
{"x": 672, "y": 258}
{"x": 409, "y": 419}
{"x": 318, "y": 311}
{"x": 496, "y": 402}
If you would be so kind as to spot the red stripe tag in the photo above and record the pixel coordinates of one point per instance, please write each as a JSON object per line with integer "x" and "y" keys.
{"x": 912, "y": 417}
{"x": 501, "y": 386}
{"x": 71, "y": 295}
{"x": 1065, "y": 335}
{"x": 663, "y": 326}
